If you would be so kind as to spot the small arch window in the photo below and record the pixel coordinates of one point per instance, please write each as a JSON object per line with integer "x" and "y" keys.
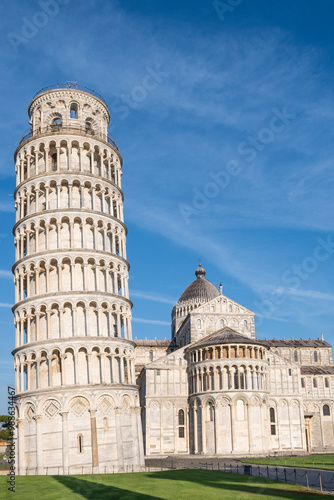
{"x": 296, "y": 356}
{"x": 180, "y": 419}
{"x": 230, "y": 308}
{"x": 236, "y": 379}
{"x": 80, "y": 443}
{"x": 315, "y": 383}
{"x": 245, "y": 325}
{"x": 222, "y": 323}
{"x": 272, "y": 415}
{"x": 315, "y": 356}
{"x": 302, "y": 383}
{"x": 56, "y": 124}
{"x": 105, "y": 424}
{"x": 212, "y": 308}
{"x": 88, "y": 127}
{"x": 199, "y": 324}
{"x": 151, "y": 355}
{"x": 74, "y": 110}
{"x": 326, "y": 411}
{"x": 327, "y": 383}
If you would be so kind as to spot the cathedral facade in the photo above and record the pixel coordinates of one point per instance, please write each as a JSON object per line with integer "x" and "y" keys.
{"x": 89, "y": 398}
{"x": 216, "y": 389}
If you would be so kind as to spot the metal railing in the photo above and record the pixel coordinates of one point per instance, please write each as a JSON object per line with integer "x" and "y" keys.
{"x": 71, "y": 85}
{"x": 68, "y": 128}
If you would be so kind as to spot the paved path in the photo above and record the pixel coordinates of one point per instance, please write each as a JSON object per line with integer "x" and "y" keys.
{"x": 303, "y": 476}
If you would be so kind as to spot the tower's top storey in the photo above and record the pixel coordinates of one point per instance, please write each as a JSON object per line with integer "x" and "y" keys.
{"x": 69, "y": 105}
{"x": 67, "y": 109}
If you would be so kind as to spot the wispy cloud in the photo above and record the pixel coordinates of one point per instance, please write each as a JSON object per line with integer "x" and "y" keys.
{"x": 152, "y": 296}
{"x": 150, "y": 321}
{"x": 3, "y": 304}
{"x": 308, "y": 294}
{"x": 6, "y": 274}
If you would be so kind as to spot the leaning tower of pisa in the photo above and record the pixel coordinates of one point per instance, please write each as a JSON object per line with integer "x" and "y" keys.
{"x": 77, "y": 400}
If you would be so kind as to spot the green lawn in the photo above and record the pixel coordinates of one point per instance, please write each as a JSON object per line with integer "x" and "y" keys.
{"x": 176, "y": 485}
{"x": 312, "y": 461}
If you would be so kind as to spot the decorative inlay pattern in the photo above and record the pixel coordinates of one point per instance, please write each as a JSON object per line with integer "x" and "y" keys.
{"x": 79, "y": 405}
{"x": 105, "y": 404}
{"x": 51, "y": 408}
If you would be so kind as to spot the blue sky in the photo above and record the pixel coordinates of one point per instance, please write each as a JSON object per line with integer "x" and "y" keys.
{"x": 225, "y": 124}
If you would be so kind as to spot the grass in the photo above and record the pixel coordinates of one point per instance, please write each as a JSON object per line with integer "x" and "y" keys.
{"x": 311, "y": 461}
{"x": 176, "y": 485}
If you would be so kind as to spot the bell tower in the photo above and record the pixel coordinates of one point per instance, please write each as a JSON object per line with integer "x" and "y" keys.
{"x": 76, "y": 395}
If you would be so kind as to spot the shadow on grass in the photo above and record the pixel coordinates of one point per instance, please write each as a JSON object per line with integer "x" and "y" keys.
{"x": 237, "y": 483}
{"x": 93, "y": 491}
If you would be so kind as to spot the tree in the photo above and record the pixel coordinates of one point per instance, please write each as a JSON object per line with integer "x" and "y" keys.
{"x": 4, "y": 423}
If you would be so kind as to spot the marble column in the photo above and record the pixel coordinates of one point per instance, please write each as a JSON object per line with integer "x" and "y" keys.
{"x": 93, "y": 430}
{"x": 21, "y": 437}
{"x": 39, "y": 444}
{"x": 120, "y": 458}
{"x": 65, "y": 449}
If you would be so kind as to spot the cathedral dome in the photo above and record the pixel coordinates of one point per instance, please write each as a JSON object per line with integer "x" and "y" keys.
{"x": 199, "y": 291}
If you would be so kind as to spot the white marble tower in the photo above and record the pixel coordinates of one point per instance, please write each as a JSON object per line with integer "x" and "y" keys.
{"x": 77, "y": 399}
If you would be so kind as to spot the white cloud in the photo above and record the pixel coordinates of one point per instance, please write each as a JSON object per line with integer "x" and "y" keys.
{"x": 6, "y": 274}
{"x": 151, "y": 296}
{"x": 308, "y": 294}
{"x": 150, "y": 321}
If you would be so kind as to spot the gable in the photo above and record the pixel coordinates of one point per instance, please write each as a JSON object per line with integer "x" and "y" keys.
{"x": 224, "y": 306}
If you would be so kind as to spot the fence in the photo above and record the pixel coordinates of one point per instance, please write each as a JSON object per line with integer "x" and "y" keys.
{"x": 320, "y": 480}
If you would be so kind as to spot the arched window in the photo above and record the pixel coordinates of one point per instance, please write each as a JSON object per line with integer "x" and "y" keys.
{"x": 296, "y": 356}
{"x": 272, "y": 415}
{"x": 242, "y": 380}
{"x": 315, "y": 356}
{"x": 212, "y": 308}
{"x": 315, "y": 383}
{"x": 88, "y": 127}
{"x": 222, "y": 324}
{"x": 236, "y": 379}
{"x": 245, "y": 325}
{"x": 105, "y": 424}
{"x": 80, "y": 443}
{"x": 180, "y": 419}
{"x": 230, "y": 308}
{"x": 56, "y": 124}
{"x": 199, "y": 324}
{"x": 74, "y": 110}
{"x": 326, "y": 411}
{"x": 327, "y": 383}
{"x": 151, "y": 355}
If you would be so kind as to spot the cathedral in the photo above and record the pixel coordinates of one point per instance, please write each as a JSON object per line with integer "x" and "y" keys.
{"x": 89, "y": 397}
